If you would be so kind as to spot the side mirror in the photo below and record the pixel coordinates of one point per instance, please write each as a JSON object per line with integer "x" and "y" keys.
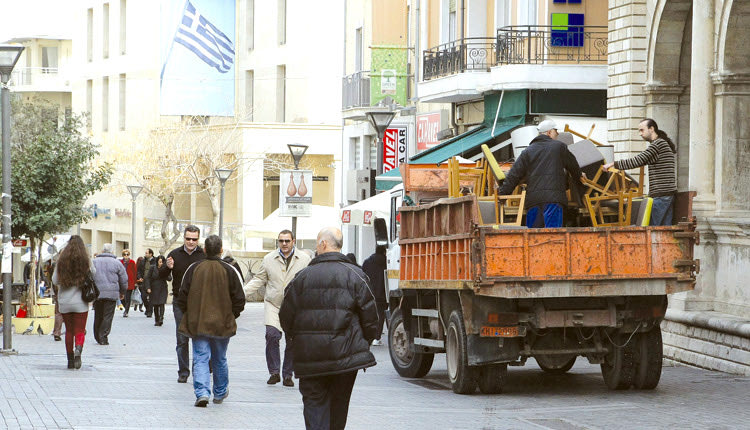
{"x": 381, "y": 232}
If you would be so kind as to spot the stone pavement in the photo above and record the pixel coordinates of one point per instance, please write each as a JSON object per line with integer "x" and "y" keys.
{"x": 131, "y": 384}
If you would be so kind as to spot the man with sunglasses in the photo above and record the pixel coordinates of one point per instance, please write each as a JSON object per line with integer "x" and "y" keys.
{"x": 278, "y": 269}
{"x": 178, "y": 261}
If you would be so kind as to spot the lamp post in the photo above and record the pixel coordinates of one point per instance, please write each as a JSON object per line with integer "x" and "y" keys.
{"x": 8, "y": 57}
{"x": 380, "y": 120}
{"x": 134, "y": 191}
{"x": 297, "y": 151}
{"x": 223, "y": 175}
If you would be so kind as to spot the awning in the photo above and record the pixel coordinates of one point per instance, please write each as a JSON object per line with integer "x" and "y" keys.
{"x": 388, "y": 180}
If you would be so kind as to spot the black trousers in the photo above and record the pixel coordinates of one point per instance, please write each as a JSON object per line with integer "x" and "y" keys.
{"x": 104, "y": 311}
{"x": 127, "y": 300}
{"x": 382, "y": 306}
{"x": 159, "y": 313}
{"x": 326, "y": 400}
{"x": 146, "y": 297}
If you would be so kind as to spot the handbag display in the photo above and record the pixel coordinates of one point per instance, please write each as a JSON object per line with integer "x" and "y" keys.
{"x": 89, "y": 291}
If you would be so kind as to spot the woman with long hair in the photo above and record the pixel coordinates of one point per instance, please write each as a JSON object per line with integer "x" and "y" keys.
{"x": 157, "y": 289}
{"x": 72, "y": 269}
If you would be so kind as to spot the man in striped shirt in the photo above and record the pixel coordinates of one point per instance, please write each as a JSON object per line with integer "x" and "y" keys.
{"x": 660, "y": 156}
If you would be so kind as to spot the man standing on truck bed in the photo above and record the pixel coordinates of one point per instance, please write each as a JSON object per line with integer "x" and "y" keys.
{"x": 543, "y": 163}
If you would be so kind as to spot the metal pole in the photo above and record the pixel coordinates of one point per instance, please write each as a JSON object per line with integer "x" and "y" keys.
{"x": 221, "y": 213}
{"x": 7, "y": 277}
{"x": 379, "y": 152}
{"x": 132, "y": 237}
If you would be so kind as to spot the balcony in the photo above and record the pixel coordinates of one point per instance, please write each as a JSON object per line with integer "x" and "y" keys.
{"x": 39, "y": 79}
{"x": 356, "y": 91}
{"x": 519, "y": 57}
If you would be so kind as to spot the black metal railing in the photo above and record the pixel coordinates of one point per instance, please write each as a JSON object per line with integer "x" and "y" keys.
{"x": 526, "y": 44}
{"x": 473, "y": 53}
{"x": 356, "y": 90}
{"x": 545, "y": 44}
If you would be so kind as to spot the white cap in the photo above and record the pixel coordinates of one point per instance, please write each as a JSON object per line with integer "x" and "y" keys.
{"x": 546, "y": 126}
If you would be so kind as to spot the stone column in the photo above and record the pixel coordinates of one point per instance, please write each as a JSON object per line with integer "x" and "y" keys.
{"x": 663, "y": 105}
{"x": 702, "y": 148}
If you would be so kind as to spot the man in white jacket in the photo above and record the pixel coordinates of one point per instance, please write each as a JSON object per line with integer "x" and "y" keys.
{"x": 277, "y": 271}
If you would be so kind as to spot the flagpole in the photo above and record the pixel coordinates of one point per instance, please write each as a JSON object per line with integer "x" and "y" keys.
{"x": 171, "y": 45}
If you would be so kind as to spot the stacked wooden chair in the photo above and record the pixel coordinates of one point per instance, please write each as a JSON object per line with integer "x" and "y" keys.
{"x": 611, "y": 204}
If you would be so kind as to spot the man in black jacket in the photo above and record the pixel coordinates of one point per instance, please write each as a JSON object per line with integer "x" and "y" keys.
{"x": 178, "y": 260}
{"x": 374, "y": 267}
{"x": 543, "y": 163}
{"x": 329, "y": 312}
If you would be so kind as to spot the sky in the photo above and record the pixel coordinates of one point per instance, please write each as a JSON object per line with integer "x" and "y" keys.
{"x": 36, "y": 17}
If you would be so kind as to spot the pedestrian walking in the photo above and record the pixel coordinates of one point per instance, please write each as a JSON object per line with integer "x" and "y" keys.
{"x": 143, "y": 269}
{"x": 660, "y": 156}
{"x": 543, "y": 163}
{"x": 211, "y": 299}
{"x": 178, "y": 260}
{"x": 131, "y": 271}
{"x": 374, "y": 267}
{"x": 72, "y": 271}
{"x": 112, "y": 280}
{"x": 49, "y": 270}
{"x": 278, "y": 269}
{"x": 157, "y": 290}
{"x": 329, "y": 312}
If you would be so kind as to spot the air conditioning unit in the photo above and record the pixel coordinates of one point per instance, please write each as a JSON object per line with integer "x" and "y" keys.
{"x": 358, "y": 184}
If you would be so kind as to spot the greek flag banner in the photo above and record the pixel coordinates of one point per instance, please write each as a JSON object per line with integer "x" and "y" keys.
{"x": 197, "y": 34}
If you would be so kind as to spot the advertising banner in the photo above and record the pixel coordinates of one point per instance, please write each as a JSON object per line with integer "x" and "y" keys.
{"x": 394, "y": 147}
{"x": 428, "y": 125}
{"x": 295, "y": 193}
{"x": 197, "y": 40}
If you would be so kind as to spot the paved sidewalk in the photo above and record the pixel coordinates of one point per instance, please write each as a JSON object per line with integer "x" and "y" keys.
{"x": 131, "y": 384}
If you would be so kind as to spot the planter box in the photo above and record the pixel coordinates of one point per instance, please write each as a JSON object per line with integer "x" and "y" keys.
{"x": 46, "y": 323}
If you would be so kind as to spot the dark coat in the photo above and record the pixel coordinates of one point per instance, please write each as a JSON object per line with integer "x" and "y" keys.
{"x": 329, "y": 312}
{"x": 158, "y": 286}
{"x": 543, "y": 164}
{"x": 182, "y": 260}
{"x": 141, "y": 271}
{"x": 374, "y": 267}
{"x": 211, "y": 298}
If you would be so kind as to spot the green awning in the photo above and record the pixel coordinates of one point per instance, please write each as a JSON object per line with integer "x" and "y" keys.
{"x": 388, "y": 180}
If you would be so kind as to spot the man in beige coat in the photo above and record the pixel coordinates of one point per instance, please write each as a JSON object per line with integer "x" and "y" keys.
{"x": 277, "y": 271}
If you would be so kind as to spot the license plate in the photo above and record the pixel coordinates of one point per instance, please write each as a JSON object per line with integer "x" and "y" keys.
{"x": 499, "y": 332}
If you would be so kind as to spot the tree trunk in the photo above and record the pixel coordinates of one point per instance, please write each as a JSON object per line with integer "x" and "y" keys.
{"x": 32, "y": 290}
{"x": 168, "y": 217}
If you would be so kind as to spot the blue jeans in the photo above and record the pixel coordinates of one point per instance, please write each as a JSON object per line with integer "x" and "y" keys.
{"x": 273, "y": 354}
{"x": 552, "y": 216}
{"x": 183, "y": 345}
{"x": 661, "y": 210}
{"x": 214, "y": 350}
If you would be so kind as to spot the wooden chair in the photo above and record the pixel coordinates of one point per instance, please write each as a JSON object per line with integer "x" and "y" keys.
{"x": 612, "y": 200}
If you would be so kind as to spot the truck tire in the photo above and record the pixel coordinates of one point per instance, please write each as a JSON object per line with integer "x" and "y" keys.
{"x": 461, "y": 375}
{"x": 555, "y": 368}
{"x": 492, "y": 378}
{"x": 407, "y": 363}
{"x": 648, "y": 359}
{"x": 618, "y": 368}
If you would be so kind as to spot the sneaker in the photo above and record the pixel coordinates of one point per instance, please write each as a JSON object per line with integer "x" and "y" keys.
{"x": 288, "y": 382}
{"x": 219, "y": 400}
{"x": 183, "y": 379}
{"x": 376, "y": 342}
{"x": 274, "y": 379}
{"x": 125, "y": 314}
{"x": 201, "y": 402}
{"x": 121, "y": 307}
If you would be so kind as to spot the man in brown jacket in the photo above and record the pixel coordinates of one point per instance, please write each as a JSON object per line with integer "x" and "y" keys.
{"x": 211, "y": 299}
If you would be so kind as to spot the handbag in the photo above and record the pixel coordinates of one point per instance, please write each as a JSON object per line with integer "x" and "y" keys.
{"x": 90, "y": 291}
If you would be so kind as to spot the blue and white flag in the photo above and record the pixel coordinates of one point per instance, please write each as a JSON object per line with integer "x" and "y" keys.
{"x": 210, "y": 44}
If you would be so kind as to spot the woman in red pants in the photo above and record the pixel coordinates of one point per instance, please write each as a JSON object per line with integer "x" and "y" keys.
{"x": 73, "y": 266}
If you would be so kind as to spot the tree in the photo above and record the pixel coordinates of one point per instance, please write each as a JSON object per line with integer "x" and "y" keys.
{"x": 54, "y": 170}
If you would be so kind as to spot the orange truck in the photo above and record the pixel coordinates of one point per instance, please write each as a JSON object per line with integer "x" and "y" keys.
{"x": 490, "y": 296}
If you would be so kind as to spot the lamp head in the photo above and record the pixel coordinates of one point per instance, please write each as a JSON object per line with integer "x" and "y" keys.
{"x": 9, "y": 55}
{"x": 134, "y": 190}
{"x": 223, "y": 174}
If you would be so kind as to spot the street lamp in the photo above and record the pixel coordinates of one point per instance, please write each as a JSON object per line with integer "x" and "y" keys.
{"x": 223, "y": 175}
{"x": 298, "y": 151}
{"x": 8, "y": 57}
{"x": 134, "y": 191}
{"x": 380, "y": 120}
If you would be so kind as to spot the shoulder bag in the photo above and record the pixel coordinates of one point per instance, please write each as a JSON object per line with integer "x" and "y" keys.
{"x": 89, "y": 291}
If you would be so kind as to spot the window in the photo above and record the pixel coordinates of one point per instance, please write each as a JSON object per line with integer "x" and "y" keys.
{"x": 49, "y": 59}
{"x": 105, "y": 104}
{"x": 123, "y": 92}
{"x": 123, "y": 25}
{"x": 452, "y": 21}
{"x": 249, "y": 93}
{"x": 250, "y": 24}
{"x": 282, "y": 21}
{"x": 90, "y": 35}
{"x": 89, "y": 102}
{"x": 105, "y": 31}
{"x": 527, "y": 13}
{"x": 358, "y": 60}
{"x": 281, "y": 94}
{"x": 502, "y": 13}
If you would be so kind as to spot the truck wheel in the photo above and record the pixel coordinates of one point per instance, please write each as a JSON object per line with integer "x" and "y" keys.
{"x": 555, "y": 367}
{"x": 462, "y": 377}
{"x": 407, "y": 363}
{"x": 492, "y": 378}
{"x": 648, "y": 359}
{"x": 618, "y": 368}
